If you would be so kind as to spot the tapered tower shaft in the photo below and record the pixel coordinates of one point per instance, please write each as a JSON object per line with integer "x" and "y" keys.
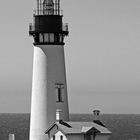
{"x": 49, "y": 87}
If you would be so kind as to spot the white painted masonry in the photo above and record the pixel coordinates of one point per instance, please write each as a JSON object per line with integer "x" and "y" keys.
{"x": 48, "y": 70}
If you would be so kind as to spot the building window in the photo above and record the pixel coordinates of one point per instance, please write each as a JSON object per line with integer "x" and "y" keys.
{"x": 92, "y": 137}
{"x": 53, "y": 137}
{"x": 59, "y": 92}
{"x": 61, "y": 137}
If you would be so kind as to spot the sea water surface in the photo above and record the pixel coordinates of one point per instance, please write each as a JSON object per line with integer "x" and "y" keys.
{"x": 123, "y": 127}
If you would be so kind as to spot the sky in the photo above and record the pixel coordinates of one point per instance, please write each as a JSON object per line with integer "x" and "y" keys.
{"x": 102, "y": 55}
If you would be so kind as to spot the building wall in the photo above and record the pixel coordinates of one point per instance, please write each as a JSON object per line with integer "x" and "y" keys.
{"x": 75, "y": 137}
{"x": 102, "y": 137}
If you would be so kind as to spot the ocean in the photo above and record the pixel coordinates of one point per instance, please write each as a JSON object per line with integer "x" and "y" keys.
{"x": 123, "y": 127}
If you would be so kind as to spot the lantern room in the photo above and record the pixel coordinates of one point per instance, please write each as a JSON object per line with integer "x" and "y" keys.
{"x": 48, "y": 27}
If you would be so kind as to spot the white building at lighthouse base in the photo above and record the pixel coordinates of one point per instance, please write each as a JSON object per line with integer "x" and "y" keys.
{"x": 78, "y": 131}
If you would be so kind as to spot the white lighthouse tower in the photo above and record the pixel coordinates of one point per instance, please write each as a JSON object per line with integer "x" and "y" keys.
{"x": 49, "y": 87}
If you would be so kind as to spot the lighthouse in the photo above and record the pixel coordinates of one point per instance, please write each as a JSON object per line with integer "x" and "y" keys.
{"x": 49, "y": 86}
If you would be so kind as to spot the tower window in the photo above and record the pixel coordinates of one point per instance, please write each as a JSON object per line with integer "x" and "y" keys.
{"x": 59, "y": 92}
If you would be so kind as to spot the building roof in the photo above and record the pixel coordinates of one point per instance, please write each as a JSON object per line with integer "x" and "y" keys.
{"x": 79, "y": 127}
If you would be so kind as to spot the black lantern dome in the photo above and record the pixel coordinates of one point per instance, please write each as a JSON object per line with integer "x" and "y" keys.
{"x": 48, "y": 27}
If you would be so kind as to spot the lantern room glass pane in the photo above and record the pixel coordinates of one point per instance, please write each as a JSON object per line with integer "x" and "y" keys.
{"x": 41, "y": 37}
{"x": 51, "y": 37}
{"x": 46, "y": 37}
